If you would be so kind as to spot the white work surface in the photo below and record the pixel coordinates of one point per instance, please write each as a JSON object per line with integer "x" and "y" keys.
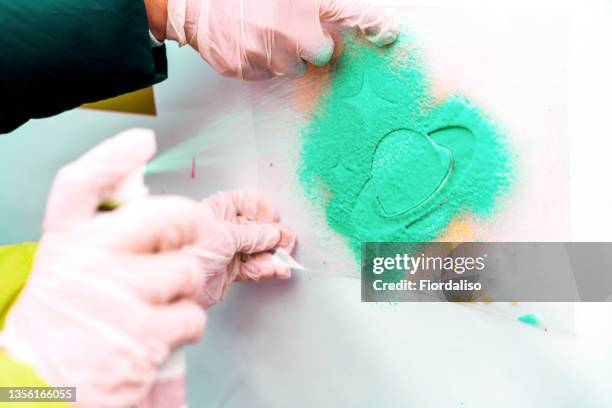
{"x": 310, "y": 341}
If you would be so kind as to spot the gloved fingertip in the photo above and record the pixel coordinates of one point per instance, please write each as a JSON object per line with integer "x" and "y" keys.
{"x": 274, "y": 269}
{"x": 324, "y": 55}
{"x": 380, "y": 27}
{"x": 283, "y": 273}
{"x": 318, "y": 50}
{"x": 273, "y": 236}
{"x": 266, "y": 212}
{"x": 385, "y": 33}
{"x": 288, "y": 238}
{"x": 196, "y": 324}
{"x": 127, "y": 150}
{"x": 142, "y": 139}
{"x": 253, "y": 238}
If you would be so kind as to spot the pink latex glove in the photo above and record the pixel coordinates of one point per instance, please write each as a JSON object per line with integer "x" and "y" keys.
{"x": 111, "y": 294}
{"x": 257, "y": 39}
{"x": 221, "y": 265}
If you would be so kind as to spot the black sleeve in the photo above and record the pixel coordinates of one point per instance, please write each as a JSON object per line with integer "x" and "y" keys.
{"x": 58, "y": 54}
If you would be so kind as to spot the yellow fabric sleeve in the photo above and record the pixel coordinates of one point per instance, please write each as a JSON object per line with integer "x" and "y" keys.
{"x": 16, "y": 374}
{"x": 15, "y": 266}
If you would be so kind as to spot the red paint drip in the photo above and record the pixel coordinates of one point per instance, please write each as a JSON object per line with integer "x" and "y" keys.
{"x": 193, "y": 168}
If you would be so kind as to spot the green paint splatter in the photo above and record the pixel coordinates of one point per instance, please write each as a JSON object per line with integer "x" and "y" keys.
{"x": 531, "y": 320}
{"x": 389, "y": 163}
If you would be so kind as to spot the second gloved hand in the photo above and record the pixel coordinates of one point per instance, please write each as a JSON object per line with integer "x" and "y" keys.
{"x": 112, "y": 294}
{"x": 258, "y": 39}
{"x": 242, "y": 228}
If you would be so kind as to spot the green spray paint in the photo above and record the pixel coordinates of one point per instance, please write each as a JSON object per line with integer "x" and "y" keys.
{"x": 389, "y": 163}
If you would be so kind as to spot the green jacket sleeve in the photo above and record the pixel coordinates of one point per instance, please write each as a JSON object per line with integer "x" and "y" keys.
{"x": 58, "y": 54}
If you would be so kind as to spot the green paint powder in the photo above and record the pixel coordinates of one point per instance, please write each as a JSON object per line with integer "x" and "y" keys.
{"x": 531, "y": 320}
{"x": 389, "y": 163}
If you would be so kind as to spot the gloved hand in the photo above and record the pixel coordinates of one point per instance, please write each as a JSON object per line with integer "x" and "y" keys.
{"x": 257, "y": 39}
{"x": 110, "y": 295}
{"x": 222, "y": 265}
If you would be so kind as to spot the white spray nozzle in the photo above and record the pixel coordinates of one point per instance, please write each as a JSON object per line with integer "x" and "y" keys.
{"x": 287, "y": 260}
